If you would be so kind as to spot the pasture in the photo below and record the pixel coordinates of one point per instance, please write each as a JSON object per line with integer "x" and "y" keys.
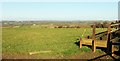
{"x": 45, "y": 42}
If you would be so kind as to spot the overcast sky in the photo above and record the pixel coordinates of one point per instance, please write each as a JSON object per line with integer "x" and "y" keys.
{"x": 64, "y": 10}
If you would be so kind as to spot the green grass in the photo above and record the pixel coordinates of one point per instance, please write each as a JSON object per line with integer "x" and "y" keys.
{"x": 58, "y": 41}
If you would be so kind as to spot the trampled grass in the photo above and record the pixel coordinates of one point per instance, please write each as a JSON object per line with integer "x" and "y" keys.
{"x": 60, "y": 42}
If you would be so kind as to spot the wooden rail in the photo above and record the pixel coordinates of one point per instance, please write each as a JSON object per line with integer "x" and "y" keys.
{"x": 116, "y": 43}
{"x": 110, "y": 44}
{"x": 93, "y": 39}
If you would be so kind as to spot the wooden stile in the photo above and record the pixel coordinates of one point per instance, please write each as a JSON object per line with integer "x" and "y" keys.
{"x": 110, "y": 45}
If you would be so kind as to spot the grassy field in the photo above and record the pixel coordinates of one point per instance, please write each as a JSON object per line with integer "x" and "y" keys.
{"x": 48, "y": 42}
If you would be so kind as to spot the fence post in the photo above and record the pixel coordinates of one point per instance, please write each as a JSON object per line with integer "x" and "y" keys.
{"x": 93, "y": 38}
{"x": 80, "y": 42}
{"x": 111, "y": 49}
{"x": 119, "y": 27}
{"x": 108, "y": 38}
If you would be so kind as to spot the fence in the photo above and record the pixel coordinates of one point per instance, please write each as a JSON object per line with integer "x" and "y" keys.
{"x": 110, "y": 44}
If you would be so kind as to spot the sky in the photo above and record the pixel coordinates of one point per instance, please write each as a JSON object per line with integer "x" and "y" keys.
{"x": 59, "y": 10}
{"x": 59, "y": 0}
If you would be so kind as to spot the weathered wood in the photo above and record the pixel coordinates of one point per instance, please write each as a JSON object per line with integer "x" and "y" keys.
{"x": 110, "y": 45}
{"x": 93, "y": 46}
{"x": 111, "y": 48}
{"x": 116, "y": 43}
{"x": 116, "y": 24}
{"x": 93, "y": 35}
{"x": 119, "y": 26}
{"x": 119, "y": 49}
{"x": 108, "y": 38}
{"x": 93, "y": 38}
{"x": 80, "y": 42}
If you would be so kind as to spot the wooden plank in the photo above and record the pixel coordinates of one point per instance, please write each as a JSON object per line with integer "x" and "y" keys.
{"x": 84, "y": 44}
{"x": 88, "y": 42}
{"x": 115, "y": 24}
{"x": 116, "y": 43}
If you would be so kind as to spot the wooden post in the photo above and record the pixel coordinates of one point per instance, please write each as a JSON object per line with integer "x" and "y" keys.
{"x": 119, "y": 27}
{"x": 119, "y": 48}
{"x": 93, "y": 39}
{"x": 93, "y": 46}
{"x": 111, "y": 49}
{"x": 80, "y": 42}
{"x": 108, "y": 38}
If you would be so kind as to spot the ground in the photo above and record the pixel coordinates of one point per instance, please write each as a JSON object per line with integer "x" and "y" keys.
{"x": 88, "y": 55}
{"x": 60, "y": 43}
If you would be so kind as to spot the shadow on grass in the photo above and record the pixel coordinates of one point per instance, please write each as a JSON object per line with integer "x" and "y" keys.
{"x": 103, "y": 49}
{"x": 107, "y": 54}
